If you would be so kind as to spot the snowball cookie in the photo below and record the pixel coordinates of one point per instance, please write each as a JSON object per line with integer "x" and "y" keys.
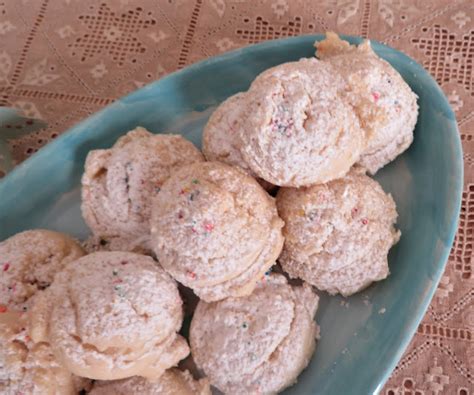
{"x": 259, "y": 343}
{"x": 299, "y": 130}
{"x": 111, "y": 315}
{"x": 172, "y": 382}
{"x": 384, "y": 102}
{"x": 219, "y": 138}
{"x": 215, "y": 230}
{"x": 119, "y": 183}
{"x": 28, "y": 262}
{"x": 337, "y": 235}
{"x": 28, "y": 368}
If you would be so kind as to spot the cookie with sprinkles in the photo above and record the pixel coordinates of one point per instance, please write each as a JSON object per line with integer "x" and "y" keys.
{"x": 215, "y": 230}
{"x": 119, "y": 183}
{"x": 29, "y": 368}
{"x": 299, "y": 130}
{"x": 111, "y": 315}
{"x": 386, "y": 106}
{"x": 337, "y": 235}
{"x": 172, "y": 382}
{"x": 220, "y": 135}
{"x": 259, "y": 343}
{"x": 28, "y": 263}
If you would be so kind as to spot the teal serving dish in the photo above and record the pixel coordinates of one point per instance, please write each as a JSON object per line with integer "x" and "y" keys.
{"x": 362, "y": 337}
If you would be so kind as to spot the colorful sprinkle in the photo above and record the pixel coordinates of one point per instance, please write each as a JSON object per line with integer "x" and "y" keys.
{"x": 268, "y": 272}
{"x": 120, "y": 291}
{"x": 301, "y": 213}
{"x": 365, "y": 221}
{"x": 244, "y": 325}
{"x": 3, "y": 308}
{"x": 208, "y": 226}
{"x": 313, "y": 215}
{"x": 194, "y": 195}
{"x": 283, "y": 122}
{"x": 191, "y": 275}
{"x": 195, "y": 181}
{"x": 376, "y": 96}
{"x": 180, "y": 215}
{"x": 354, "y": 212}
{"x": 124, "y": 263}
{"x": 6, "y": 266}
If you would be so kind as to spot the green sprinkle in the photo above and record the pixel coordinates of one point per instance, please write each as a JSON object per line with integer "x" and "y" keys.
{"x": 195, "y": 181}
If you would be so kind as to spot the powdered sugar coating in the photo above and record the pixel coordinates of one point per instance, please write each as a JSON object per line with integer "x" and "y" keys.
{"x": 219, "y": 138}
{"x": 384, "y": 103}
{"x": 172, "y": 382}
{"x": 337, "y": 235}
{"x": 111, "y": 315}
{"x": 119, "y": 183}
{"x": 212, "y": 223}
{"x": 28, "y": 262}
{"x": 299, "y": 130}
{"x": 259, "y": 343}
{"x": 28, "y": 368}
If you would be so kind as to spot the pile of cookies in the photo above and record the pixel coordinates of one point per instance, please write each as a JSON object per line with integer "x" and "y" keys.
{"x": 239, "y": 238}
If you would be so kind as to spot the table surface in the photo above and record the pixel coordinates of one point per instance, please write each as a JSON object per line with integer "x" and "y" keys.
{"x": 62, "y": 60}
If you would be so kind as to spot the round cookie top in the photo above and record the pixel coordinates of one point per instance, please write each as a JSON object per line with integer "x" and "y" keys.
{"x": 210, "y": 222}
{"x": 383, "y": 101}
{"x": 172, "y": 382}
{"x": 109, "y": 309}
{"x": 337, "y": 235}
{"x": 298, "y": 129}
{"x": 219, "y": 138}
{"x": 240, "y": 342}
{"x": 119, "y": 183}
{"x": 28, "y": 368}
{"x": 28, "y": 262}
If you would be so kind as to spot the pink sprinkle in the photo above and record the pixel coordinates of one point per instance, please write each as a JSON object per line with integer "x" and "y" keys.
{"x": 376, "y": 96}
{"x": 6, "y": 266}
{"x": 354, "y": 212}
{"x": 209, "y": 227}
{"x": 365, "y": 221}
{"x": 191, "y": 275}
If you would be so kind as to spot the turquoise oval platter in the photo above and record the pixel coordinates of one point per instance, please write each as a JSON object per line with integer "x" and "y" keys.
{"x": 362, "y": 337}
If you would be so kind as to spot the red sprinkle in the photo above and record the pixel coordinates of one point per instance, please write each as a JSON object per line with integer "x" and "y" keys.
{"x": 180, "y": 215}
{"x": 3, "y": 308}
{"x": 376, "y": 96}
{"x": 118, "y": 281}
{"x": 191, "y": 275}
{"x": 365, "y": 221}
{"x": 124, "y": 262}
{"x": 6, "y": 266}
{"x": 209, "y": 227}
